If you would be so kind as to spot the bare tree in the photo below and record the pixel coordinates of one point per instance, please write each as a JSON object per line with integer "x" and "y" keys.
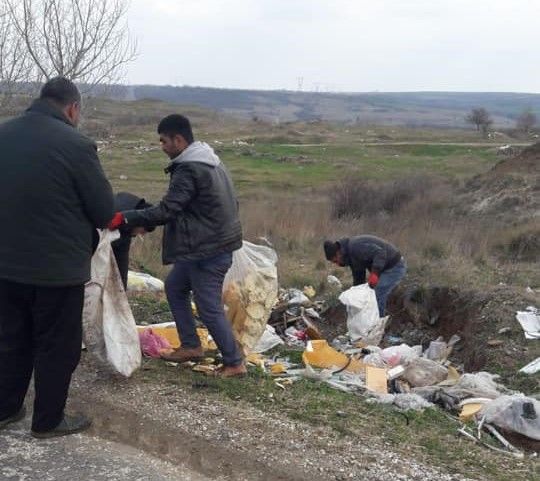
{"x": 481, "y": 118}
{"x": 14, "y": 62}
{"x": 83, "y": 40}
{"x": 526, "y": 121}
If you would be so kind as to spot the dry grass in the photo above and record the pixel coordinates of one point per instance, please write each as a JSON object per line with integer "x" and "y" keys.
{"x": 439, "y": 247}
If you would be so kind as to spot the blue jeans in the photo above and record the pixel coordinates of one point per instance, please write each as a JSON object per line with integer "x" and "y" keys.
{"x": 387, "y": 281}
{"x": 205, "y": 278}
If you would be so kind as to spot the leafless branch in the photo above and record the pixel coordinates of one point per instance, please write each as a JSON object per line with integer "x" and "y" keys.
{"x": 85, "y": 40}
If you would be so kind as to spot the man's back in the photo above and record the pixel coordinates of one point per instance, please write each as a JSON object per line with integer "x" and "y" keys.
{"x": 53, "y": 194}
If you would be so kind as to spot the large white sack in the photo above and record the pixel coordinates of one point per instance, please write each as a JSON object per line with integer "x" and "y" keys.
{"x": 363, "y": 321}
{"x": 109, "y": 328}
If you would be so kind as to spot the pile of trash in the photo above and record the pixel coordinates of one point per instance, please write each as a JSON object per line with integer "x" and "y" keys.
{"x": 407, "y": 377}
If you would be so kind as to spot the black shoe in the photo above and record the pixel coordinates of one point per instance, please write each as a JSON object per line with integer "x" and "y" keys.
{"x": 68, "y": 425}
{"x": 14, "y": 418}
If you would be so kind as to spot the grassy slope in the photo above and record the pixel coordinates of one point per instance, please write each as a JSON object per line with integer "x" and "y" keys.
{"x": 275, "y": 165}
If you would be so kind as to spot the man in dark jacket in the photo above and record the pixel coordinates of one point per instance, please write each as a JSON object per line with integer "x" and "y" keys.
{"x": 121, "y": 247}
{"x": 202, "y": 229}
{"x": 384, "y": 262}
{"x": 54, "y": 195}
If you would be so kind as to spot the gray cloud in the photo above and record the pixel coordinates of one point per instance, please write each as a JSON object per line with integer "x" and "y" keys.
{"x": 345, "y": 45}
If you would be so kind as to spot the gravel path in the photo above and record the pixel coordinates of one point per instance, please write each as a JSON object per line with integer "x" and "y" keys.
{"x": 235, "y": 440}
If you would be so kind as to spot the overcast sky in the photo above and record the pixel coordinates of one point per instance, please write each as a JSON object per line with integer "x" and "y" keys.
{"x": 338, "y": 45}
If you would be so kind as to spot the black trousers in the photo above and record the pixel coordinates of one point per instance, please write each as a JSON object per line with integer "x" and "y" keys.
{"x": 40, "y": 331}
{"x": 121, "y": 254}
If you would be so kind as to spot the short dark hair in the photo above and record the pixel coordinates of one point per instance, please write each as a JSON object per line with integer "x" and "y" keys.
{"x": 176, "y": 124}
{"x": 330, "y": 249}
{"x": 61, "y": 91}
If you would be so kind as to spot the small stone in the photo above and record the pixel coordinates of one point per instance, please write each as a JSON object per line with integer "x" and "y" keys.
{"x": 504, "y": 330}
{"x": 495, "y": 342}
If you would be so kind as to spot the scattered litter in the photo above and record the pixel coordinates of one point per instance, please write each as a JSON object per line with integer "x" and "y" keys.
{"x": 530, "y": 322}
{"x": 504, "y": 330}
{"x": 142, "y": 282}
{"x": 495, "y": 342}
{"x": 531, "y": 368}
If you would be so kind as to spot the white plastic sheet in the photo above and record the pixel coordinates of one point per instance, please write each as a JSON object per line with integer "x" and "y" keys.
{"x": 530, "y": 322}
{"x": 109, "y": 328}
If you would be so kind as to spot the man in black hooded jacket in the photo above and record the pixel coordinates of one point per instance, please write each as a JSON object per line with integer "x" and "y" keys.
{"x": 363, "y": 253}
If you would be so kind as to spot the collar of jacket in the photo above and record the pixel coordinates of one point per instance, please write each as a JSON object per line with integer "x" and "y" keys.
{"x": 344, "y": 246}
{"x": 47, "y": 108}
{"x": 170, "y": 168}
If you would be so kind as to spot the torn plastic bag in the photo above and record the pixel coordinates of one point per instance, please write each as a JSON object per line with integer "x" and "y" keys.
{"x": 268, "y": 340}
{"x": 404, "y": 402}
{"x": 402, "y": 354}
{"x": 363, "y": 321}
{"x": 249, "y": 292}
{"x": 423, "y": 372}
{"x": 108, "y": 324}
{"x": 516, "y": 413}
{"x": 479, "y": 385}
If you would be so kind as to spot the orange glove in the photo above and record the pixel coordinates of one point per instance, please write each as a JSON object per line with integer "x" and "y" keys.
{"x": 373, "y": 280}
{"x": 117, "y": 220}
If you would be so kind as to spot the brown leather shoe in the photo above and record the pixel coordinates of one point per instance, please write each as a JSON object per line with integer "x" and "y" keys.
{"x": 184, "y": 354}
{"x": 231, "y": 371}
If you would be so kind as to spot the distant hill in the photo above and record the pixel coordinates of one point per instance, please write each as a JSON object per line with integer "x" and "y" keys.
{"x": 443, "y": 109}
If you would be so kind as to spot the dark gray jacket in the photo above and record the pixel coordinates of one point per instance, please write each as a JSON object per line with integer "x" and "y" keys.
{"x": 368, "y": 252}
{"x": 199, "y": 211}
{"x": 53, "y": 194}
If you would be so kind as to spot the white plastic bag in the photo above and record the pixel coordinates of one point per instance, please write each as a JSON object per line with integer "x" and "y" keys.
{"x": 142, "y": 282}
{"x": 363, "y": 321}
{"x": 108, "y": 324}
{"x": 250, "y": 291}
{"x": 268, "y": 340}
{"x": 514, "y": 413}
